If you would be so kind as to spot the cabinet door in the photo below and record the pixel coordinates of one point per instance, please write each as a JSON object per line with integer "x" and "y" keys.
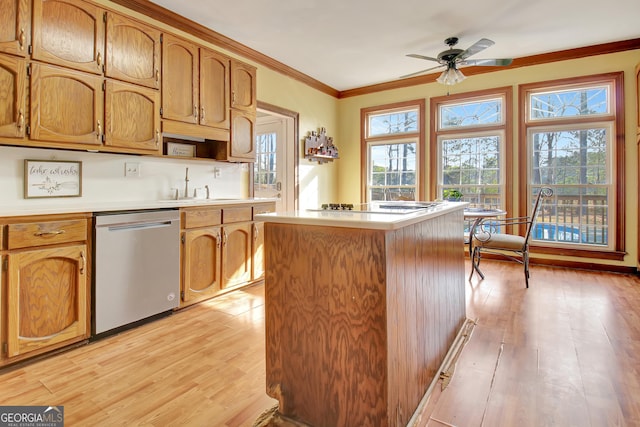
{"x": 66, "y": 106}
{"x": 47, "y": 295}
{"x": 179, "y": 80}
{"x": 132, "y": 117}
{"x": 201, "y": 264}
{"x": 258, "y": 250}
{"x": 15, "y": 26}
{"x": 69, "y": 33}
{"x": 243, "y": 134}
{"x": 214, "y": 89}
{"x": 133, "y": 51}
{"x": 243, "y": 86}
{"x": 236, "y": 254}
{"x": 13, "y": 72}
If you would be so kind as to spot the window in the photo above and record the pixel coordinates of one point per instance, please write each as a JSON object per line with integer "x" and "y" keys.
{"x": 571, "y": 145}
{"x": 471, "y": 144}
{"x": 264, "y": 168}
{"x": 393, "y": 142}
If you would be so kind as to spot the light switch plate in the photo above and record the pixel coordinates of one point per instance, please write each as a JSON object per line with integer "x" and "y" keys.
{"x": 131, "y": 169}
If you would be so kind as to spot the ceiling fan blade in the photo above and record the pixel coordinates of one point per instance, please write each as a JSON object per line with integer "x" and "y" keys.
{"x": 421, "y": 72}
{"x": 478, "y": 46}
{"x": 502, "y": 62}
{"x": 428, "y": 58}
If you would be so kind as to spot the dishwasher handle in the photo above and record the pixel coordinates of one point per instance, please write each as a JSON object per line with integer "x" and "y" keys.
{"x": 139, "y": 225}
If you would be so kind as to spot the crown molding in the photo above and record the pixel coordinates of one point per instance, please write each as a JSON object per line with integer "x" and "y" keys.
{"x": 179, "y": 22}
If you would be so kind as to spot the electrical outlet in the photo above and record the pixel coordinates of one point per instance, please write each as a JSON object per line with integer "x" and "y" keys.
{"x": 131, "y": 169}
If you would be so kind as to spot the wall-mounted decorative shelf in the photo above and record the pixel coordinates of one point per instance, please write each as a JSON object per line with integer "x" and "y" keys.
{"x": 318, "y": 147}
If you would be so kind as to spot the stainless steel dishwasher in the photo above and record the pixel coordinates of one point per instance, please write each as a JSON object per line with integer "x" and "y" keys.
{"x": 137, "y": 267}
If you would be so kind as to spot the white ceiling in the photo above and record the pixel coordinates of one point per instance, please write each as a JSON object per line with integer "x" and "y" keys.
{"x": 348, "y": 44}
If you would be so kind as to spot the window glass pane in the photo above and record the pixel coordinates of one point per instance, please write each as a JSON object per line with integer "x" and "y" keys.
{"x": 393, "y": 123}
{"x": 569, "y": 103}
{"x": 392, "y": 171}
{"x": 265, "y": 166}
{"x": 577, "y": 214}
{"x": 574, "y": 163}
{"x": 484, "y": 112}
{"x": 471, "y": 166}
{"x": 570, "y": 157}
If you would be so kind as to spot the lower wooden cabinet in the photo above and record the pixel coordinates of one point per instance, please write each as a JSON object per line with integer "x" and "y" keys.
{"x": 236, "y": 255}
{"x": 47, "y": 294}
{"x": 201, "y": 263}
{"x": 222, "y": 250}
{"x": 45, "y": 285}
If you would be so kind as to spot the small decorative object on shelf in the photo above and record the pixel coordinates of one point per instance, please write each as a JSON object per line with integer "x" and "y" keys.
{"x": 452, "y": 195}
{"x": 319, "y": 147}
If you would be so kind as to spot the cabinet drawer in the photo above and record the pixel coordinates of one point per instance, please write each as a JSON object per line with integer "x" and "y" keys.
{"x": 236, "y": 214}
{"x": 194, "y": 218}
{"x": 266, "y": 208}
{"x": 46, "y": 233}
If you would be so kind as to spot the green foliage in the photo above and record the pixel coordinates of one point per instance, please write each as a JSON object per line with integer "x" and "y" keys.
{"x": 452, "y": 194}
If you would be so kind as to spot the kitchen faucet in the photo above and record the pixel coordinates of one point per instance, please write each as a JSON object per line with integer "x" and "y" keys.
{"x": 186, "y": 184}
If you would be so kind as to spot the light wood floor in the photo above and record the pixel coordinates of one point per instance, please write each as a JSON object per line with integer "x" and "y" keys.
{"x": 565, "y": 352}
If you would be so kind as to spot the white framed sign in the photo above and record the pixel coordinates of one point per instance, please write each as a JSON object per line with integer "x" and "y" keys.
{"x": 52, "y": 178}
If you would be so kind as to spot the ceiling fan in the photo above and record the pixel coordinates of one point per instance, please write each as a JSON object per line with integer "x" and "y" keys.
{"x": 454, "y": 58}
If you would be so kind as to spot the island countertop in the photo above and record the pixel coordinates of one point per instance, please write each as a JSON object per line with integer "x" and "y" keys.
{"x": 376, "y": 220}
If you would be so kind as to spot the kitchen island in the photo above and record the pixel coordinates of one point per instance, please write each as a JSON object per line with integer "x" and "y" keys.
{"x": 361, "y": 309}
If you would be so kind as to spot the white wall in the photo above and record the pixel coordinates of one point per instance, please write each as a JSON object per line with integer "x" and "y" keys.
{"x": 103, "y": 178}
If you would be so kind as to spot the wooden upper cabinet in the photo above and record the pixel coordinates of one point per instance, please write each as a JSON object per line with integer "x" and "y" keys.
{"x": 242, "y": 146}
{"x": 243, "y": 86}
{"x": 180, "y": 65}
{"x": 69, "y": 33}
{"x": 66, "y": 106}
{"x": 15, "y": 26}
{"x": 214, "y": 89}
{"x": 638, "y": 101}
{"x": 133, "y": 51}
{"x": 132, "y": 117}
{"x": 13, "y": 71}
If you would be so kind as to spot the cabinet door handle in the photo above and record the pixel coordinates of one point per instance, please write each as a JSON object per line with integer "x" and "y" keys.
{"x": 233, "y": 98}
{"x": 83, "y": 262}
{"x": 201, "y": 113}
{"x": 255, "y": 232}
{"x": 158, "y": 138}
{"x": 195, "y": 111}
{"x": 22, "y": 38}
{"x": 157, "y": 76}
{"x": 99, "y": 59}
{"x": 48, "y": 233}
{"x": 99, "y": 130}
{"x": 20, "y": 119}
{"x": 218, "y": 240}
{"x": 224, "y": 238}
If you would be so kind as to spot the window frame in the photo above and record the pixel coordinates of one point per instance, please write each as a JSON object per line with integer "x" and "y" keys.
{"x": 615, "y": 118}
{"x": 398, "y": 138}
{"x": 505, "y": 129}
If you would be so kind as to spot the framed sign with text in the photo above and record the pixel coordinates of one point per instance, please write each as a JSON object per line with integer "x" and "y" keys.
{"x": 52, "y": 178}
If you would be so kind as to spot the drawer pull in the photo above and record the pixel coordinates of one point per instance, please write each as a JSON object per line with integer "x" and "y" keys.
{"x": 22, "y": 38}
{"x": 84, "y": 262}
{"x": 48, "y": 233}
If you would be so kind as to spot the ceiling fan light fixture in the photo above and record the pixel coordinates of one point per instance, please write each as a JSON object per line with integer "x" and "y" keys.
{"x": 451, "y": 76}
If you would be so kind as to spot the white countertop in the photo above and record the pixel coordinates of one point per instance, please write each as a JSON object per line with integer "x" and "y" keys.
{"x": 356, "y": 219}
{"x": 68, "y": 206}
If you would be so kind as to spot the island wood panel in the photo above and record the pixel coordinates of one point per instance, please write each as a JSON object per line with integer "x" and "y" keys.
{"x": 358, "y": 321}
{"x": 325, "y": 317}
